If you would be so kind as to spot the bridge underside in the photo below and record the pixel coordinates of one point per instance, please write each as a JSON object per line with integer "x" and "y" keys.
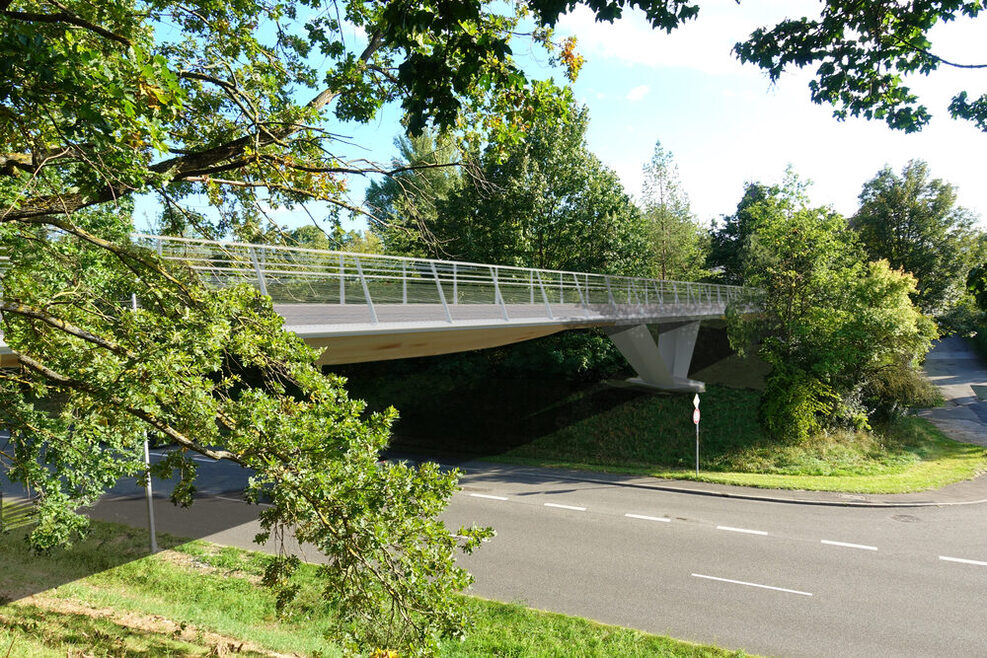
{"x": 350, "y": 334}
{"x": 405, "y": 331}
{"x": 360, "y": 348}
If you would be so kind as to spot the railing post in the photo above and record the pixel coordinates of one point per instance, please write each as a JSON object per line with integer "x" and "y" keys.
{"x": 404, "y": 282}
{"x": 613, "y": 304}
{"x": 561, "y": 290}
{"x": 675, "y": 291}
{"x": 159, "y": 247}
{"x": 455, "y": 283}
{"x": 438, "y": 284}
{"x": 498, "y": 298}
{"x": 531, "y": 281}
{"x": 579, "y": 292}
{"x": 261, "y": 283}
{"x": 342, "y": 280}
{"x": 366, "y": 291}
{"x": 544, "y": 296}
{"x": 582, "y": 300}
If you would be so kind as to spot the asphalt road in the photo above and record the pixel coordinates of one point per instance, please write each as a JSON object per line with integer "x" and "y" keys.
{"x": 769, "y": 578}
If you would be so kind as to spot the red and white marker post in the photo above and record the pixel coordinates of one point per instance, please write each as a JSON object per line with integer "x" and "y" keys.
{"x": 695, "y": 421}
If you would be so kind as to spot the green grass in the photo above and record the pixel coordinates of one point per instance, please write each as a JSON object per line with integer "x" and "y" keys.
{"x": 655, "y": 436}
{"x": 104, "y": 597}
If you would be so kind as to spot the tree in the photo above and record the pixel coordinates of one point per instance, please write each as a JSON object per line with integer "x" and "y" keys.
{"x": 728, "y": 244}
{"x": 913, "y": 222}
{"x": 546, "y": 202}
{"x": 863, "y": 51}
{"x": 238, "y": 104}
{"x": 403, "y": 206}
{"x": 311, "y": 236}
{"x": 835, "y": 328}
{"x": 677, "y": 241}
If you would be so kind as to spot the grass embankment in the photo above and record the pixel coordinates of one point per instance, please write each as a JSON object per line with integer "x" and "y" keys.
{"x": 104, "y": 597}
{"x": 655, "y": 436}
{"x": 618, "y": 429}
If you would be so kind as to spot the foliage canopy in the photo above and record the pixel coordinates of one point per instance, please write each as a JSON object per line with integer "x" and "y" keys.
{"x": 913, "y": 222}
{"x": 835, "y": 327}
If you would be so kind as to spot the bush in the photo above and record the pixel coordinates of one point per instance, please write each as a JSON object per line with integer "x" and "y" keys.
{"x": 896, "y": 388}
{"x": 795, "y": 404}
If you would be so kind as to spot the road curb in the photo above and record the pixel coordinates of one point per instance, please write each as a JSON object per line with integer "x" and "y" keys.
{"x": 559, "y": 474}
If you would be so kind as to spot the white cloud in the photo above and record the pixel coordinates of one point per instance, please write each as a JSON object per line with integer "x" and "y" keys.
{"x": 703, "y": 44}
{"x": 637, "y": 93}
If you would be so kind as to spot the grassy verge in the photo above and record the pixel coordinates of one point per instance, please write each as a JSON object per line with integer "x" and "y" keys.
{"x": 104, "y": 597}
{"x": 655, "y": 436}
{"x": 599, "y": 426}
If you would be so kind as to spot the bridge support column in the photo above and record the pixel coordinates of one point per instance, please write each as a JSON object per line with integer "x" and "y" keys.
{"x": 663, "y": 366}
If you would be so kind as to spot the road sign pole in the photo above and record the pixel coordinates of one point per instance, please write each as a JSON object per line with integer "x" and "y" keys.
{"x": 148, "y": 494}
{"x": 697, "y": 449}
{"x": 695, "y": 420}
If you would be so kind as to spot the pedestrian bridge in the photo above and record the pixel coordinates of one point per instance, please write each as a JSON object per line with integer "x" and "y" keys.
{"x": 370, "y": 307}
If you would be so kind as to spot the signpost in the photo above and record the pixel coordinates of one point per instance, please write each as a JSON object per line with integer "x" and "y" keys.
{"x": 147, "y": 473}
{"x": 695, "y": 421}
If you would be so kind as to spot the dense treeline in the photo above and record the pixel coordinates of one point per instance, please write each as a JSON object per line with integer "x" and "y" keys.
{"x": 849, "y": 306}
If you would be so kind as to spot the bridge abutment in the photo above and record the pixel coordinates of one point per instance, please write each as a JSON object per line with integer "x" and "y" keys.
{"x": 664, "y": 366}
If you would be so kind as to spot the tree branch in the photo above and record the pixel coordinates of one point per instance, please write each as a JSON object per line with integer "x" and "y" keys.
{"x": 64, "y": 17}
{"x": 181, "y": 166}
{"x": 156, "y": 423}
{"x": 61, "y": 325}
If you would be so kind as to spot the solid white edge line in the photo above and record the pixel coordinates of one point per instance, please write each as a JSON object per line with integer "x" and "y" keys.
{"x": 647, "y": 518}
{"x": 488, "y": 496}
{"x": 741, "y": 582}
{"x": 963, "y": 561}
{"x": 240, "y": 500}
{"x": 863, "y": 547}
{"x": 572, "y": 507}
{"x": 743, "y": 530}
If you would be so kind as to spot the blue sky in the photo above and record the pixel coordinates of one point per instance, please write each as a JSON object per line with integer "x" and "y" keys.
{"x": 723, "y": 121}
{"x": 726, "y": 124}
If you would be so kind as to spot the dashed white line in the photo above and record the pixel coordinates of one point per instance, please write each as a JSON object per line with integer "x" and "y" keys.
{"x": 572, "y": 507}
{"x": 648, "y": 518}
{"x": 743, "y": 530}
{"x": 862, "y": 547}
{"x": 741, "y": 582}
{"x": 963, "y": 561}
{"x": 488, "y": 496}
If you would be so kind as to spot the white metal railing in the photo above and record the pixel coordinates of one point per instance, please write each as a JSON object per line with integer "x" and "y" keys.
{"x": 298, "y": 275}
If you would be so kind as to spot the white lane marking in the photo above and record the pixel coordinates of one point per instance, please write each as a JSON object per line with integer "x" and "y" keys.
{"x": 848, "y": 545}
{"x": 488, "y": 496}
{"x": 744, "y": 530}
{"x": 572, "y": 507}
{"x": 647, "y": 518}
{"x": 963, "y": 561}
{"x": 241, "y": 500}
{"x": 741, "y": 582}
{"x": 198, "y": 459}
